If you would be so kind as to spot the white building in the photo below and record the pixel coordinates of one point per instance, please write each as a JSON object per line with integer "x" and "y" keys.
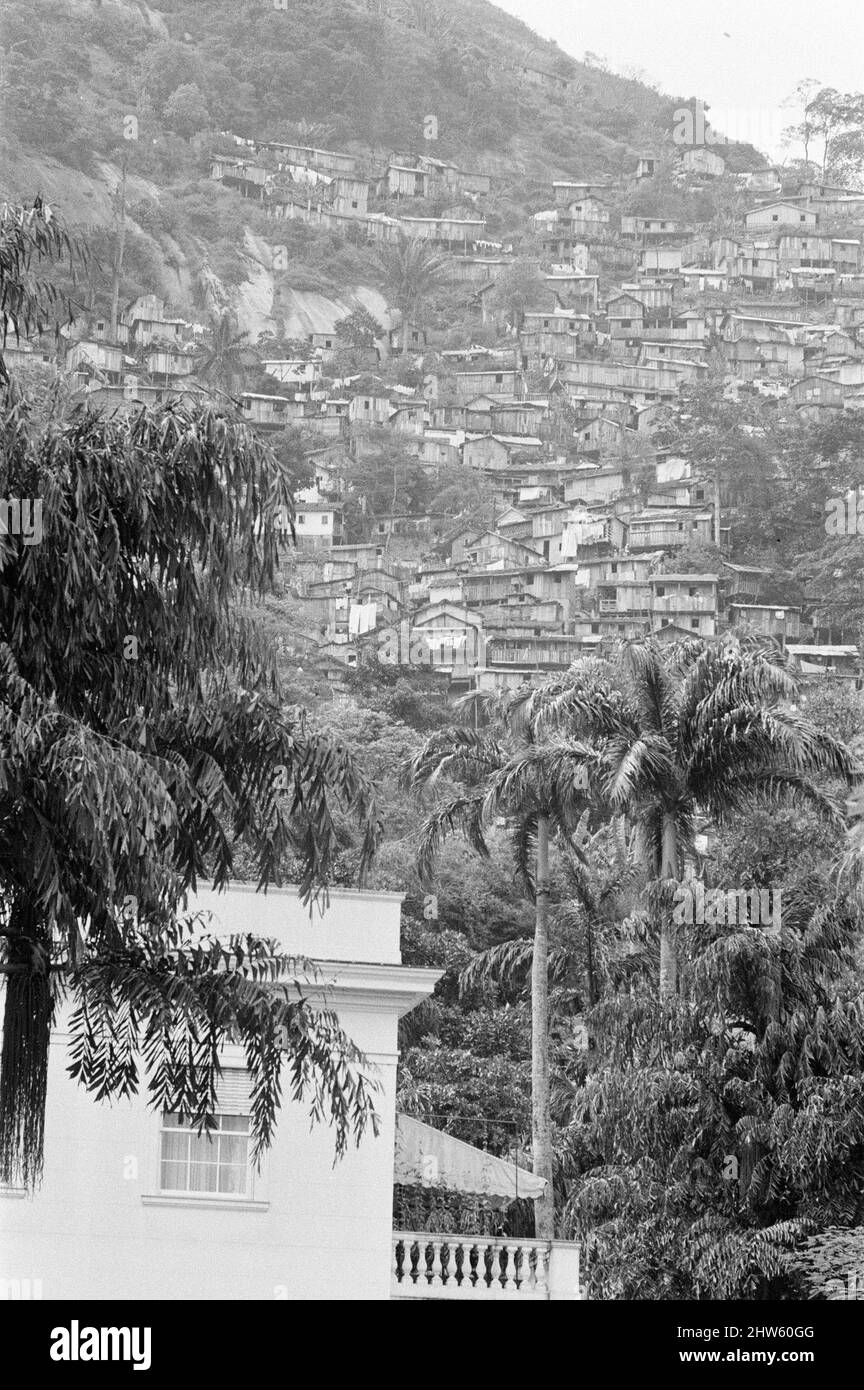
{"x": 133, "y": 1205}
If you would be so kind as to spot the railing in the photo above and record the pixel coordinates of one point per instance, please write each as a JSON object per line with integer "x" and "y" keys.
{"x": 478, "y": 1267}
{"x": 684, "y": 603}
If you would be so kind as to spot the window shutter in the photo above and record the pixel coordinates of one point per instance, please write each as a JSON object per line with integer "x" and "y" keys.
{"x": 234, "y": 1095}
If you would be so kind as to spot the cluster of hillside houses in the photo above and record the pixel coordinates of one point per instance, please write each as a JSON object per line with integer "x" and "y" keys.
{"x": 330, "y": 189}
{"x": 577, "y": 546}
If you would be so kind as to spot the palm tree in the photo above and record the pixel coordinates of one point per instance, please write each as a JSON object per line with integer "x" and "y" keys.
{"x": 696, "y": 729}
{"x": 597, "y": 923}
{"x": 502, "y": 771}
{"x": 220, "y": 358}
{"x": 410, "y": 274}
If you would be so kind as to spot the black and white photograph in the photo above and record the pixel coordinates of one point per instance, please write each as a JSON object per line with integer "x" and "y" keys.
{"x": 432, "y": 668}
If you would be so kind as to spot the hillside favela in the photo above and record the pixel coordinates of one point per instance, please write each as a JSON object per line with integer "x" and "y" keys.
{"x": 431, "y": 636}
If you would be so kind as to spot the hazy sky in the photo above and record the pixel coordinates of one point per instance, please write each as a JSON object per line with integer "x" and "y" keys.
{"x": 742, "y": 57}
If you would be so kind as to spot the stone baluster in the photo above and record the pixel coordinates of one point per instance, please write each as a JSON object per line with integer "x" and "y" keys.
{"x": 472, "y": 1264}
{"x": 541, "y": 1279}
{"x": 435, "y": 1279}
{"x": 508, "y": 1267}
{"x": 401, "y": 1258}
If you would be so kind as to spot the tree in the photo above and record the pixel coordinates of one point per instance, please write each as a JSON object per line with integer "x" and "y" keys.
{"x": 805, "y": 130}
{"x": 410, "y": 274}
{"x": 595, "y": 922}
{"x": 502, "y": 771}
{"x": 359, "y": 329}
{"x": 698, "y": 730}
{"x": 695, "y": 558}
{"x": 834, "y": 115}
{"x": 708, "y": 1133}
{"x": 220, "y": 358}
{"x": 143, "y": 740}
{"x": 275, "y": 345}
{"x": 185, "y": 111}
{"x": 382, "y": 480}
{"x": 722, "y": 440}
{"x": 521, "y": 287}
{"x": 32, "y": 243}
{"x": 291, "y": 447}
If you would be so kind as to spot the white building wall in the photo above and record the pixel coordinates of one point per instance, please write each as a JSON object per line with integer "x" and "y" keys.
{"x": 98, "y": 1226}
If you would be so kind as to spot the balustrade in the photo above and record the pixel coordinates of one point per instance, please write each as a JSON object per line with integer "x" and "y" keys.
{"x": 451, "y": 1266}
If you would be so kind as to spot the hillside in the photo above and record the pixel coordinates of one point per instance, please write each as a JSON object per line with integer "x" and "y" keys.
{"x": 363, "y": 76}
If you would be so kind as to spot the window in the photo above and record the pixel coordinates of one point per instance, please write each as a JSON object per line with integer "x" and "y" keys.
{"x": 214, "y": 1162}
{"x": 301, "y": 519}
{"x": 325, "y": 518}
{"x": 498, "y": 378}
{"x": 694, "y": 622}
{"x": 661, "y": 592}
{"x": 354, "y": 204}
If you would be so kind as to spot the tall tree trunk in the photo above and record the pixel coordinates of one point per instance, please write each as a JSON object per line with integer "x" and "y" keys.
{"x": 752, "y": 1150}
{"x": 589, "y": 961}
{"x": 541, "y": 1121}
{"x": 118, "y": 255}
{"x": 668, "y": 950}
{"x": 27, "y": 1018}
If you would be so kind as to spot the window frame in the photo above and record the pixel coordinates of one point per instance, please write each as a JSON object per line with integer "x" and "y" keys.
{"x": 256, "y": 1197}
{"x": 212, "y": 1137}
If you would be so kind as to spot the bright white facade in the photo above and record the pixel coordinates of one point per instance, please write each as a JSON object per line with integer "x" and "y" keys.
{"x": 102, "y": 1225}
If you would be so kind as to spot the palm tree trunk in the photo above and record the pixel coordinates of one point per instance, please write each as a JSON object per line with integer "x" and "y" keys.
{"x": 668, "y": 950}
{"x": 590, "y": 970}
{"x": 541, "y": 1121}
